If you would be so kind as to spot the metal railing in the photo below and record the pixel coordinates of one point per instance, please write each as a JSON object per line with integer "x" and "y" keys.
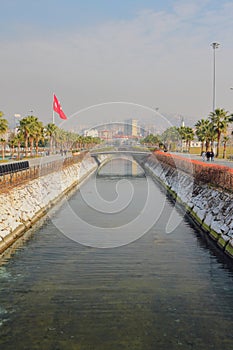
{"x": 15, "y": 177}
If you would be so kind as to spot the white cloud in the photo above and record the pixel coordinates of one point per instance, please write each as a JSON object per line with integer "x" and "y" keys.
{"x": 184, "y": 8}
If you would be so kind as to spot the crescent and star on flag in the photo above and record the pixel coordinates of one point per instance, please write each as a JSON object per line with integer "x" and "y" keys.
{"x": 57, "y": 108}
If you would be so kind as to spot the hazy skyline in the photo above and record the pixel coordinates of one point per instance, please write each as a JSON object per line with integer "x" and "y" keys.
{"x": 151, "y": 53}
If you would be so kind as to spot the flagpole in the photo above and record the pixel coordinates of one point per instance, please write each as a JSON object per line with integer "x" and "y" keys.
{"x": 53, "y": 111}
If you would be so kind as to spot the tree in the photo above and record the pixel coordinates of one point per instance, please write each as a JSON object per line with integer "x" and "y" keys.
{"x": 3, "y": 129}
{"x": 51, "y": 131}
{"x": 24, "y": 128}
{"x": 202, "y": 130}
{"x": 220, "y": 120}
{"x": 210, "y": 137}
{"x": 150, "y": 140}
{"x": 60, "y": 138}
{"x": 170, "y": 137}
{"x": 187, "y": 135}
{"x": 3, "y": 144}
{"x": 96, "y": 141}
{"x": 225, "y": 140}
{"x": 19, "y": 139}
{"x": 78, "y": 142}
{"x": 35, "y": 128}
{"x": 32, "y": 130}
{"x": 12, "y": 143}
{"x": 38, "y": 134}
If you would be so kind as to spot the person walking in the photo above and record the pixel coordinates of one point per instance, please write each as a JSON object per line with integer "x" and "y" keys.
{"x": 212, "y": 155}
{"x": 203, "y": 154}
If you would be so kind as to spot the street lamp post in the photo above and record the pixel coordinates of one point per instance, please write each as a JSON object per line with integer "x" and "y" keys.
{"x": 16, "y": 116}
{"x": 214, "y": 46}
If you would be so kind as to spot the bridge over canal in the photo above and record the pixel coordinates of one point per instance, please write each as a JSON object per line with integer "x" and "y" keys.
{"x": 119, "y": 151}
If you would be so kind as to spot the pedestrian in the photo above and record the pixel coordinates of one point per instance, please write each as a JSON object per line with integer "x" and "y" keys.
{"x": 203, "y": 154}
{"x": 208, "y": 156}
{"x": 212, "y": 155}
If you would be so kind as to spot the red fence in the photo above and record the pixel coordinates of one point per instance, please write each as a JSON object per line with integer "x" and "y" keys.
{"x": 18, "y": 178}
{"x": 216, "y": 175}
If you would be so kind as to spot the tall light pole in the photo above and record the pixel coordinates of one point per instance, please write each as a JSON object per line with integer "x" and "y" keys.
{"x": 214, "y": 46}
{"x": 16, "y": 116}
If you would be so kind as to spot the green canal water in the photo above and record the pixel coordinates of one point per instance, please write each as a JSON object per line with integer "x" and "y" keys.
{"x": 161, "y": 291}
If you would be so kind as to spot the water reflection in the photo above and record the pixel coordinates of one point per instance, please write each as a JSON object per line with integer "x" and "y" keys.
{"x": 129, "y": 168}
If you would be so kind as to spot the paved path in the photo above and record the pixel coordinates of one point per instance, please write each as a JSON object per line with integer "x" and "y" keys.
{"x": 45, "y": 159}
{"x": 42, "y": 160}
{"x": 228, "y": 163}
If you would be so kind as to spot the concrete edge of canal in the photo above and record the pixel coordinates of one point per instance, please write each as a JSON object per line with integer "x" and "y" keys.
{"x": 23, "y": 206}
{"x": 210, "y": 208}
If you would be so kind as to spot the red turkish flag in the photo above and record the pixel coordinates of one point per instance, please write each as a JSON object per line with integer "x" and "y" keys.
{"x": 57, "y": 108}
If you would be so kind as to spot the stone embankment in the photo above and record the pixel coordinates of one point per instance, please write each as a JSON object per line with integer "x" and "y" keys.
{"x": 210, "y": 207}
{"x": 23, "y": 205}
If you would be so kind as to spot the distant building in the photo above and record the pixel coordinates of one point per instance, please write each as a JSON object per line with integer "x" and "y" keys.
{"x": 131, "y": 127}
{"x": 91, "y": 132}
{"x": 106, "y": 134}
{"x": 195, "y": 143}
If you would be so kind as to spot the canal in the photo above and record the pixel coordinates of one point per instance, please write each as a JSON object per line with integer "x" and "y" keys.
{"x": 100, "y": 274}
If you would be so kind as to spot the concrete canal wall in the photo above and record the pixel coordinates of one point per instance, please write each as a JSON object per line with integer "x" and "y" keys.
{"x": 23, "y": 205}
{"x": 210, "y": 207}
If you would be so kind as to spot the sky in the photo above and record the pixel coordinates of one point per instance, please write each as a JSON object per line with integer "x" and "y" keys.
{"x": 140, "y": 55}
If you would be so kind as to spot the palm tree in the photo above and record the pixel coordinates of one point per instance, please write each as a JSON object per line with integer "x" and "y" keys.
{"x": 79, "y": 141}
{"x": 69, "y": 139}
{"x": 19, "y": 139}
{"x": 12, "y": 144}
{"x": 35, "y": 131}
{"x": 187, "y": 135}
{"x": 51, "y": 131}
{"x": 220, "y": 120}
{"x": 202, "y": 127}
{"x": 210, "y": 137}
{"x": 3, "y": 144}
{"x": 225, "y": 140}
{"x": 3, "y": 129}
{"x": 60, "y": 138}
{"x": 38, "y": 134}
{"x": 30, "y": 126}
{"x": 96, "y": 141}
{"x": 24, "y": 128}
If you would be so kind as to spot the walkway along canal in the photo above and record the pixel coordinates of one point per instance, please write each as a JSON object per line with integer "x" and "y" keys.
{"x": 161, "y": 284}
